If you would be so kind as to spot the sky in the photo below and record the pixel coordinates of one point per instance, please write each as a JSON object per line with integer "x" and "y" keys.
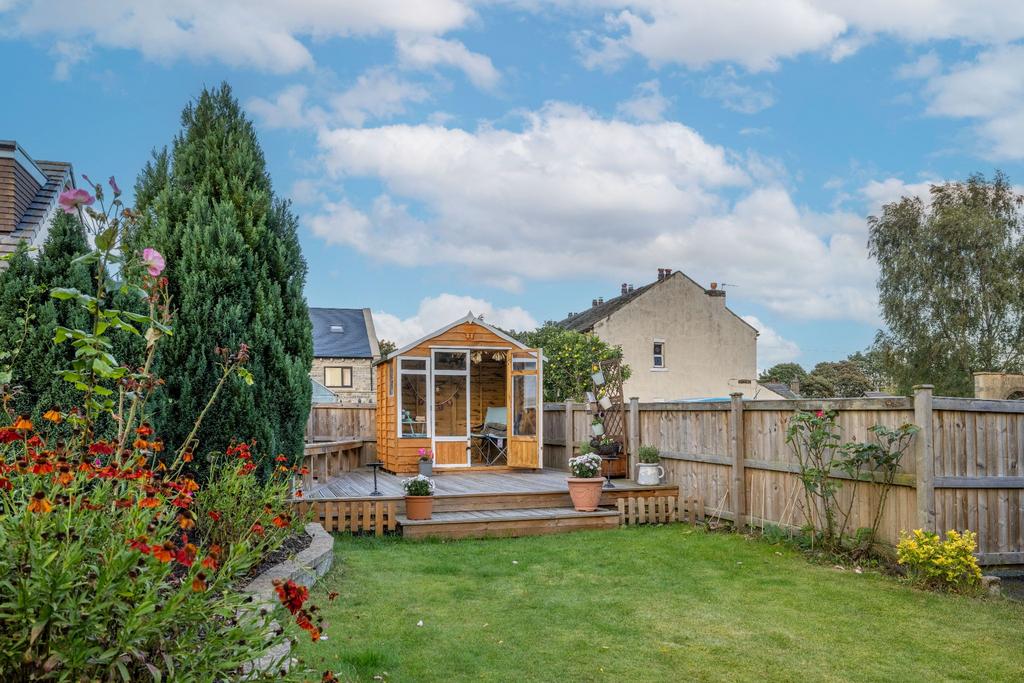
{"x": 519, "y": 158}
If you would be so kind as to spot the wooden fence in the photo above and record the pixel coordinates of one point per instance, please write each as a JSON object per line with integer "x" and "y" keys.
{"x": 659, "y": 510}
{"x": 341, "y": 422}
{"x": 965, "y": 469}
{"x": 374, "y": 516}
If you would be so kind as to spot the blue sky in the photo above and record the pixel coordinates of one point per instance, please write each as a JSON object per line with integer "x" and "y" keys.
{"x": 521, "y": 157}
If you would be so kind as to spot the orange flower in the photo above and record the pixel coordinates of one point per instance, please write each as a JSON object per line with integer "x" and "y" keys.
{"x": 210, "y": 562}
{"x": 149, "y": 502}
{"x": 140, "y": 444}
{"x": 139, "y": 544}
{"x": 186, "y": 520}
{"x": 39, "y": 503}
{"x": 199, "y": 583}
{"x": 144, "y": 429}
{"x": 164, "y": 552}
{"x": 53, "y": 415}
{"x": 157, "y": 446}
{"x": 186, "y": 456}
{"x": 281, "y": 458}
{"x": 23, "y": 424}
{"x": 282, "y": 520}
{"x": 298, "y": 493}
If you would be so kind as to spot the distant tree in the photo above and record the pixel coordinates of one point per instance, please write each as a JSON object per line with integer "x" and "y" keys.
{"x": 842, "y": 379}
{"x": 236, "y": 275}
{"x": 387, "y": 347}
{"x": 951, "y": 283}
{"x": 872, "y": 363}
{"x": 570, "y": 359}
{"x": 783, "y": 373}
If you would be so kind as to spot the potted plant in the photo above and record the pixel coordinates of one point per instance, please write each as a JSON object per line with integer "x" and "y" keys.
{"x": 597, "y": 426}
{"x": 606, "y": 402}
{"x": 419, "y": 497}
{"x": 597, "y": 376}
{"x": 426, "y": 462}
{"x": 604, "y": 446}
{"x": 649, "y": 470}
{"x": 586, "y": 481}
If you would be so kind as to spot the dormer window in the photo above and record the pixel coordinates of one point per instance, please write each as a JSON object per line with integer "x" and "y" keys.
{"x": 337, "y": 329}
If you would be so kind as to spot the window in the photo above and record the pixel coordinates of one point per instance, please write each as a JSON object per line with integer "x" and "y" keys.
{"x": 338, "y": 378}
{"x": 412, "y": 398}
{"x": 337, "y": 329}
{"x": 659, "y": 355}
{"x": 524, "y": 405}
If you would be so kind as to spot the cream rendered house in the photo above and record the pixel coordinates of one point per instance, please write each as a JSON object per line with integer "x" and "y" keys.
{"x": 679, "y": 339}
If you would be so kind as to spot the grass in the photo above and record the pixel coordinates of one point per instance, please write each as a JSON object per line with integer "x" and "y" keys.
{"x": 643, "y": 604}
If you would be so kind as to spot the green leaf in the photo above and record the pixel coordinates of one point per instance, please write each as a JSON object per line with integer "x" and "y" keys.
{"x": 105, "y": 240}
{"x": 64, "y": 293}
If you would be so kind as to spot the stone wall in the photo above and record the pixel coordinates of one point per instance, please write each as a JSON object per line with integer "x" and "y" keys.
{"x": 998, "y": 385}
{"x": 363, "y": 389}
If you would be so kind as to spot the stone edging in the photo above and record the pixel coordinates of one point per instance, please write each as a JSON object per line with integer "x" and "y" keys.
{"x": 307, "y": 566}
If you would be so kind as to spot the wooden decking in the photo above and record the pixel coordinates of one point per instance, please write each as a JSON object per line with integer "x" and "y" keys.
{"x": 469, "y": 504}
{"x": 358, "y": 483}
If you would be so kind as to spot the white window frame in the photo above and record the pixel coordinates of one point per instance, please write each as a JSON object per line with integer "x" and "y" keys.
{"x": 434, "y": 438}
{"x": 654, "y": 356}
{"x": 399, "y": 371}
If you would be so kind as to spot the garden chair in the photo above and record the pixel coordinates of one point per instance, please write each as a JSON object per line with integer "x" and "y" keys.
{"x": 490, "y": 438}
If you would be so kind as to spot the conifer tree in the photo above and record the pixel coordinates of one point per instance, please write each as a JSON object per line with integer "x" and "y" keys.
{"x": 236, "y": 275}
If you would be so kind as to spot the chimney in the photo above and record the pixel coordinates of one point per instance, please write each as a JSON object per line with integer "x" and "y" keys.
{"x": 625, "y": 289}
{"x": 794, "y": 386}
{"x": 600, "y": 300}
{"x": 593, "y": 303}
{"x": 715, "y": 291}
{"x": 661, "y": 274}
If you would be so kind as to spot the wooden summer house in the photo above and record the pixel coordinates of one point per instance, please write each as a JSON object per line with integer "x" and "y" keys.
{"x": 468, "y": 394}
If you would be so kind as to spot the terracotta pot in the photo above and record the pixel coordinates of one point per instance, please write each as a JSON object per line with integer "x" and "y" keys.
{"x": 419, "y": 507}
{"x": 585, "y": 493}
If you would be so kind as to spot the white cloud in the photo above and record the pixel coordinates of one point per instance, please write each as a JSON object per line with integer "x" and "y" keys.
{"x": 647, "y": 103}
{"x": 737, "y": 96}
{"x": 67, "y": 55}
{"x": 556, "y": 197}
{"x": 990, "y": 91}
{"x": 772, "y": 347}
{"x": 925, "y": 66}
{"x": 436, "y": 312}
{"x": 426, "y": 52}
{"x": 379, "y": 93}
{"x": 263, "y": 34}
{"x": 879, "y": 192}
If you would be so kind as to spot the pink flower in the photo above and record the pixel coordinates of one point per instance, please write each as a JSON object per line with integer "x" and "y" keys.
{"x": 114, "y": 187}
{"x": 821, "y": 413}
{"x": 70, "y": 200}
{"x": 153, "y": 260}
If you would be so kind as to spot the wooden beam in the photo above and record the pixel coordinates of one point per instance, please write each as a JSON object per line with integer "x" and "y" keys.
{"x": 978, "y": 405}
{"x": 979, "y": 482}
{"x": 924, "y": 454}
{"x": 738, "y": 489}
{"x": 634, "y": 434}
{"x": 570, "y": 441}
{"x": 1000, "y": 558}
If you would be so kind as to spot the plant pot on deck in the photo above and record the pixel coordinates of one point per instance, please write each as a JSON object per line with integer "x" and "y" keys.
{"x": 419, "y": 507}
{"x": 585, "y": 493}
{"x": 649, "y": 473}
{"x": 427, "y": 468}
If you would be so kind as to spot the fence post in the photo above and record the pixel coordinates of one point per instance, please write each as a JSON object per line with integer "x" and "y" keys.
{"x": 738, "y": 489}
{"x": 569, "y": 438}
{"x": 634, "y": 434}
{"x": 924, "y": 456}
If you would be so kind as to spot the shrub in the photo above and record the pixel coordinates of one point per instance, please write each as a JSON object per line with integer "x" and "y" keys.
{"x": 585, "y": 466}
{"x": 418, "y": 486}
{"x": 941, "y": 564}
{"x": 585, "y": 447}
{"x": 648, "y": 454}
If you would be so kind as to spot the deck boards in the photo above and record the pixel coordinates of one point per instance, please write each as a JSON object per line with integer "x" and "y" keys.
{"x": 504, "y": 515}
{"x": 359, "y": 483}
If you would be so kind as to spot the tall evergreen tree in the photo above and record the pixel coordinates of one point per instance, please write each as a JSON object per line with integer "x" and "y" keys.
{"x": 236, "y": 276}
{"x": 24, "y": 287}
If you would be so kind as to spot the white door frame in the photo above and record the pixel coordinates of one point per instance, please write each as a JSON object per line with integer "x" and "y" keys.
{"x": 434, "y": 350}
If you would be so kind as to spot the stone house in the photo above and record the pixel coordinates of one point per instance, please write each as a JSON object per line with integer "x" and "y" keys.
{"x": 680, "y": 340}
{"x": 344, "y": 349}
{"x": 28, "y": 196}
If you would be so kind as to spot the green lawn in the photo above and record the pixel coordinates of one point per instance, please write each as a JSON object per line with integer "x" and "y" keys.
{"x": 643, "y": 604}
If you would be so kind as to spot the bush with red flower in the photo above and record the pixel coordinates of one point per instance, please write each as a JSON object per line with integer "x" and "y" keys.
{"x": 114, "y": 563}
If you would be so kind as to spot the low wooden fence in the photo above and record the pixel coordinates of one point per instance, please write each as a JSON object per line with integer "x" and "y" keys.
{"x": 358, "y": 516}
{"x": 659, "y": 510}
{"x": 325, "y": 459}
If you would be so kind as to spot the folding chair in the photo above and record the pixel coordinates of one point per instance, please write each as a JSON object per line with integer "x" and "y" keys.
{"x": 490, "y": 438}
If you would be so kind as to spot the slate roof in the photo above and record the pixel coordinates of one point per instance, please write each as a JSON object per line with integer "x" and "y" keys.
{"x": 355, "y": 339}
{"x": 779, "y": 388}
{"x": 585, "y": 321}
{"x": 32, "y": 224}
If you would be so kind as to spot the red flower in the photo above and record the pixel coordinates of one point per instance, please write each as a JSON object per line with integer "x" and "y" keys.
{"x": 820, "y": 413}
{"x": 214, "y": 515}
{"x": 281, "y": 458}
{"x": 210, "y": 562}
{"x": 257, "y": 529}
{"x": 186, "y": 555}
{"x": 199, "y": 583}
{"x": 9, "y": 435}
{"x": 139, "y": 544}
{"x": 164, "y": 552}
{"x": 5, "y": 484}
{"x": 291, "y": 594}
{"x": 101, "y": 448}
{"x": 144, "y": 429}
{"x": 282, "y": 521}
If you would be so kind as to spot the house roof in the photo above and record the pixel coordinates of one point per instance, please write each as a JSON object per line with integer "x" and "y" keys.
{"x": 28, "y": 195}
{"x": 585, "y": 321}
{"x": 472, "y": 320}
{"x": 343, "y": 333}
{"x": 780, "y": 388}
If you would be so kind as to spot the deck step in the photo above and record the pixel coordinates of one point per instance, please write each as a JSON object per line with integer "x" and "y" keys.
{"x": 506, "y": 523}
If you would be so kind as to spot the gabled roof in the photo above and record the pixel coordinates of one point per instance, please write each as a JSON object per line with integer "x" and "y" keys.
{"x": 28, "y": 195}
{"x": 779, "y": 388}
{"x": 470, "y": 319}
{"x": 585, "y": 321}
{"x": 343, "y": 333}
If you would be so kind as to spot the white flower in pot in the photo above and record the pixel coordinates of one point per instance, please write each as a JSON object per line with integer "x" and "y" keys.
{"x": 586, "y": 480}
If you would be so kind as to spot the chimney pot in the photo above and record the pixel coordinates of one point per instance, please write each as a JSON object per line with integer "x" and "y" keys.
{"x": 593, "y": 303}
{"x": 714, "y": 285}
{"x": 624, "y": 289}
{"x": 600, "y": 300}
{"x": 794, "y": 386}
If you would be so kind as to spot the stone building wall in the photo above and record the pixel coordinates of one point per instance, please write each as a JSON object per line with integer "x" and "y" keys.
{"x": 998, "y": 385}
{"x": 362, "y": 390}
